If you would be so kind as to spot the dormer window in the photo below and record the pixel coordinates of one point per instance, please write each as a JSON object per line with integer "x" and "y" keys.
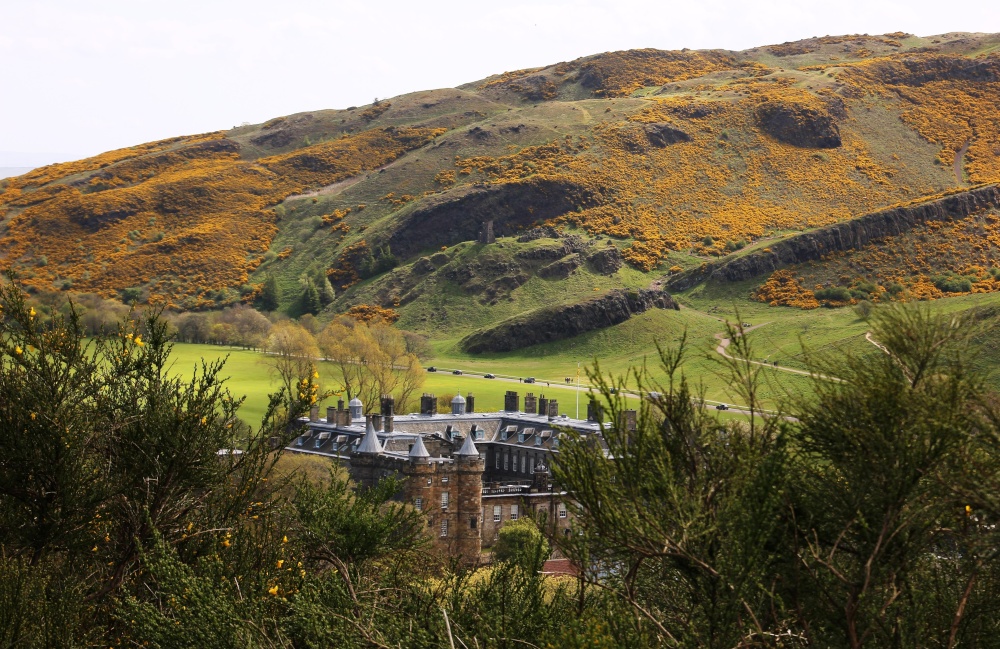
{"x": 520, "y": 437}
{"x": 507, "y": 432}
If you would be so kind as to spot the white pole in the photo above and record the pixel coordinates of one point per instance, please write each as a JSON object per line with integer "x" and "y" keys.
{"x": 578, "y": 390}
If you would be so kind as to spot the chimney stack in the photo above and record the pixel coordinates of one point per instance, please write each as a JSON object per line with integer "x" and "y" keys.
{"x": 543, "y": 406}
{"x": 388, "y": 414}
{"x": 553, "y": 409}
{"x": 530, "y": 402}
{"x": 511, "y": 401}
{"x": 428, "y": 404}
{"x": 469, "y": 402}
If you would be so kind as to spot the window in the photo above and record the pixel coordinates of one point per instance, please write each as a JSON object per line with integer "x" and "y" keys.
{"x": 430, "y": 481}
{"x": 498, "y": 459}
{"x": 562, "y": 510}
{"x": 513, "y": 512}
{"x": 520, "y": 437}
{"x": 479, "y": 433}
{"x": 444, "y": 527}
{"x": 506, "y": 460}
{"x": 444, "y": 500}
{"x": 524, "y": 463}
{"x": 444, "y": 480}
{"x": 496, "y": 513}
{"x": 419, "y": 504}
{"x": 472, "y": 523}
{"x": 538, "y": 441}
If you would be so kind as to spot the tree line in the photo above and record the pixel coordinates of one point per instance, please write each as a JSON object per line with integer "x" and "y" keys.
{"x": 136, "y": 510}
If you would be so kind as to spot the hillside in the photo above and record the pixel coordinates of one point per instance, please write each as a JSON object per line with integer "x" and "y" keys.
{"x": 606, "y": 173}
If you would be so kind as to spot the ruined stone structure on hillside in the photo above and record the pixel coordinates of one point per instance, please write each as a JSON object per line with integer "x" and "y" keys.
{"x": 469, "y": 472}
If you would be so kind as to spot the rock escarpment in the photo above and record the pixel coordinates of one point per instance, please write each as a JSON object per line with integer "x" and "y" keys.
{"x": 557, "y": 323}
{"x": 850, "y": 235}
{"x": 458, "y": 215}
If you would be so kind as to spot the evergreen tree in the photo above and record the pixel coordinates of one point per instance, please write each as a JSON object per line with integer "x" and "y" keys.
{"x": 268, "y": 300}
{"x": 311, "y": 302}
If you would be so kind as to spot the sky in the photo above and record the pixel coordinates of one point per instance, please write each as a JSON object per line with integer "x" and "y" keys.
{"x": 80, "y": 78}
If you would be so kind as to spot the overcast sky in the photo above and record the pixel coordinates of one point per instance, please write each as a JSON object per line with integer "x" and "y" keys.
{"x": 83, "y": 77}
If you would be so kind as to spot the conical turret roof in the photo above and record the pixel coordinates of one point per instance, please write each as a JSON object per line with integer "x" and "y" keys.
{"x": 468, "y": 447}
{"x": 370, "y": 444}
{"x": 418, "y": 450}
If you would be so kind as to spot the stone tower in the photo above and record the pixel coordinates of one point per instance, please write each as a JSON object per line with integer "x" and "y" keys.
{"x": 469, "y": 469}
{"x": 364, "y": 467}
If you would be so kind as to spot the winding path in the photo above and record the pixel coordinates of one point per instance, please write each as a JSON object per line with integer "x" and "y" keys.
{"x": 724, "y": 343}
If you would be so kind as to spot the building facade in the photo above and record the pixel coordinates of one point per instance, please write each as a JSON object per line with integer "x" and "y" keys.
{"x": 469, "y": 472}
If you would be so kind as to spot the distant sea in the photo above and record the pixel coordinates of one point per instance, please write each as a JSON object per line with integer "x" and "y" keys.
{"x": 7, "y": 172}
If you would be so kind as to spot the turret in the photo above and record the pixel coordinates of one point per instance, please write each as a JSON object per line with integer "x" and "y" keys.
{"x": 357, "y": 409}
{"x": 469, "y": 469}
{"x": 458, "y": 405}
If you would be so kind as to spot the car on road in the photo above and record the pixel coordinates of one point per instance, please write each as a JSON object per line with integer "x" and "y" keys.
{"x": 489, "y": 376}
{"x": 530, "y": 379}
{"x": 722, "y": 406}
{"x": 459, "y": 372}
{"x": 432, "y": 369}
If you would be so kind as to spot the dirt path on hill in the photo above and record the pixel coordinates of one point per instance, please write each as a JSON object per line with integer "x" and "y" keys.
{"x": 868, "y": 337}
{"x": 340, "y": 185}
{"x": 724, "y": 344}
{"x": 959, "y": 160}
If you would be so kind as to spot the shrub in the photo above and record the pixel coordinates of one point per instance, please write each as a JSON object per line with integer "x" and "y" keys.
{"x": 952, "y": 284}
{"x": 833, "y": 294}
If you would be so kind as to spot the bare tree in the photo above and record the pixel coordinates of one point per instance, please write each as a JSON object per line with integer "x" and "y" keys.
{"x": 291, "y": 352}
{"x": 371, "y": 360}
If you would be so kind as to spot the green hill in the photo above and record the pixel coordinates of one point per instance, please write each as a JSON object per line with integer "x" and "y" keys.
{"x": 614, "y": 172}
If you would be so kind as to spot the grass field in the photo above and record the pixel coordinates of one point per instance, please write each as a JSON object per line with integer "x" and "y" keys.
{"x": 785, "y": 335}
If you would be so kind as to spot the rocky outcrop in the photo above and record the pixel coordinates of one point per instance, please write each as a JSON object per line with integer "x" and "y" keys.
{"x": 660, "y": 134}
{"x": 799, "y": 125}
{"x": 458, "y": 215}
{"x": 557, "y": 323}
{"x": 561, "y": 268}
{"x": 850, "y": 235}
{"x": 606, "y": 261}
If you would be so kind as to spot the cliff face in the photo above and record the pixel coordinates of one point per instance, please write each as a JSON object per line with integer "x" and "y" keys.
{"x": 556, "y": 323}
{"x": 850, "y": 235}
{"x": 459, "y": 215}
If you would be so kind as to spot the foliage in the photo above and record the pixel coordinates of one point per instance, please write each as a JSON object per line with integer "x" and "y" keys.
{"x": 782, "y": 288}
{"x": 372, "y": 359}
{"x": 521, "y": 542}
{"x": 105, "y": 454}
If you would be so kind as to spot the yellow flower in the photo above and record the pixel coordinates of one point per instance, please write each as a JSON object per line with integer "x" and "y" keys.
{"x": 17, "y": 350}
{"x": 273, "y": 590}
{"x": 32, "y": 416}
{"x": 226, "y": 543}
{"x": 138, "y": 341}
{"x": 968, "y": 510}
{"x": 281, "y": 562}
{"x": 190, "y": 526}
{"x": 32, "y": 312}
{"x": 204, "y": 420}
{"x": 284, "y": 539}
{"x": 315, "y": 375}
{"x": 302, "y": 573}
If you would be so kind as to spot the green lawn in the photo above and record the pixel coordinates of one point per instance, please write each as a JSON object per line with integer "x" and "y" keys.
{"x": 784, "y": 334}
